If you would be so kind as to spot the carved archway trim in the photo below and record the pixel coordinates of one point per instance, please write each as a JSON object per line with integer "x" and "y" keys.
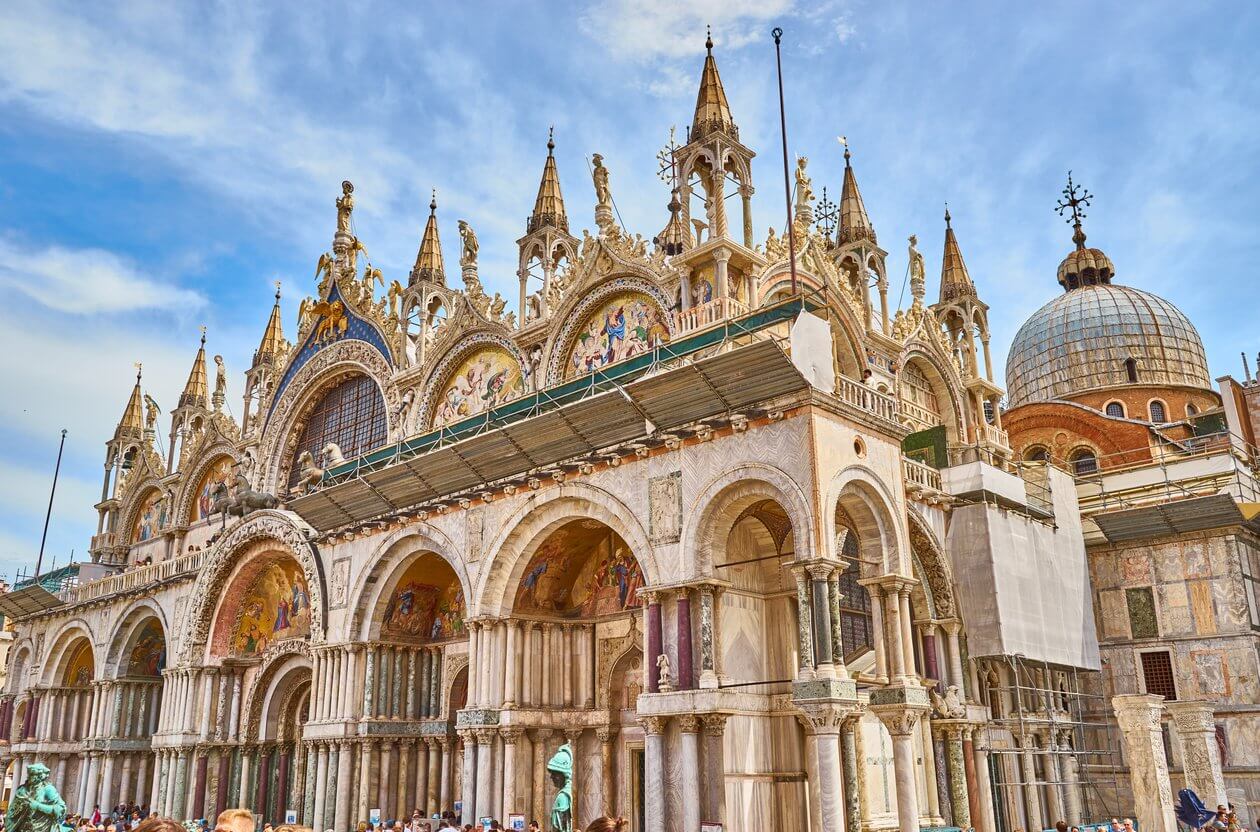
{"x": 574, "y": 314}
{"x": 706, "y": 524}
{"x": 262, "y": 529}
{"x": 874, "y": 510}
{"x": 936, "y": 574}
{"x": 610, "y": 653}
{"x": 526, "y": 529}
{"x": 57, "y": 646}
{"x": 186, "y": 493}
{"x": 277, "y": 662}
{"x": 124, "y": 627}
{"x": 131, "y": 509}
{"x": 325, "y": 369}
{"x": 459, "y": 351}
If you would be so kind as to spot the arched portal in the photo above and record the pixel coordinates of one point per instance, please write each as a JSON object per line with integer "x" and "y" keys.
{"x": 571, "y": 606}
{"x": 281, "y": 758}
{"x": 138, "y": 657}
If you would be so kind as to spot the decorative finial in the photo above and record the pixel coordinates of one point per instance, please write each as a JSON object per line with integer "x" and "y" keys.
{"x": 203, "y": 335}
{"x": 433, "y": 202}
{"x": 1076, "y": 199}
{"x": 551, "y": 139}
{"x": 139, "y": 369}
{"x": 277, "y": 291}
{"x": 708, "y": 39}
{"x": 947, "y": 215}
{"x": 845, "y": 142}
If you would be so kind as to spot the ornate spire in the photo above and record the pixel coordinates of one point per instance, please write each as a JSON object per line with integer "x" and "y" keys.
{"x": 196, "y": 389}
{"x": 712, "y": 111}
{"x": 272, "y": 344}
{"x": 1075, "y": 200}
{"x": 955, "y": 281}
{"x": 429, "y": 259}
{"x": 854, "y": 223}
{"x": 131, "y": 426}
{"x": 1083, "y": 266}
{"x": 549, "y": 206}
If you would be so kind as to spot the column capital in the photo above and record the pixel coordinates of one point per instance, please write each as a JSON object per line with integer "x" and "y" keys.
{"x": 714, "y": 724}
{"x": 900, "y": 719}
{"x": 573, "y": 734}
{"x": 689, "y": 723}
{"x": 1192, "y": 716}
{"x": 1138, "y": 712}
{"x": 511, "y": 735}
{"x": 542, "y": 734}
{"x": 606, "y": 733}
{"x": 653, "y": 724}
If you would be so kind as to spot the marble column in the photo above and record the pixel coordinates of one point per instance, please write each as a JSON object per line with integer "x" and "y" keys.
{"x": 363, "y": 800}
{"x": 446, "y": 797}
{"x": 469, "y": 779}
{"x": 654, "y": 640}
{"x": 607, "y": 736}
{"x": 369, "y": 684}
{"x": 1032, "y": 801}
{"x": 1072, "y": 778}
{"x": 316, "y": 809}
{"x": 345, "y": 766}
{"x": 484, "y": 800}
{"x": 402, "y": 807}
{"x": 1139, "y": 719}
{"x": 310, "y": 785}
{"x": 179, "y": 808}
{"x": 1194, "y": 725}
{"x": 385, "y": 790}
{"x": 433, "y": 777}
{"x": 713, "y": 774}
{"x": 708, "y": 638}
{"x": 952, "y": 629}
{"x": 900, "y": 720}
{"x": 987, "y": 820}
{"x": 426, "y": 679}
{"x": 654, "y": 773}
{"x": 958, "y": 796}
{"x": 331, "y": 795}
{"x": 541, "y": 736}
{"x": 849, "y": 763}
{"x": 804, "y": 637}
{"x": 934, "y": 767}
{"x": 511, "y": 801}
{"x": 106, "y": 796}
{"x": 686, "y": 658}
{"x": 510, "y": 677}
{"x": 690, "y": 771}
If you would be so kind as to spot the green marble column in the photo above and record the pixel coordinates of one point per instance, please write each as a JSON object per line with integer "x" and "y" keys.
{"x": 369, "y": 683}
{"x": 849, "y": 770}
{"x": 308, "y": 792}
{"x": 957, "y": 777}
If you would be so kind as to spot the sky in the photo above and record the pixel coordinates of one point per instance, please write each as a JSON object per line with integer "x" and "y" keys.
{"x": 163, "y": 164}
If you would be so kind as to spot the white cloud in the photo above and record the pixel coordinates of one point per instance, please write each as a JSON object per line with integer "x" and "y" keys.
{"x": 86, "y": 281}
{"x": 645, "y": 30}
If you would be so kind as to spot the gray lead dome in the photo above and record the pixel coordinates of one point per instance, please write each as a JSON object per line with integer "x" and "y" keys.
{"x": 1081, "y": 340}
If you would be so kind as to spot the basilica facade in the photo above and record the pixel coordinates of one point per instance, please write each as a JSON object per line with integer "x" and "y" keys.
{"x": 702, "y": 509}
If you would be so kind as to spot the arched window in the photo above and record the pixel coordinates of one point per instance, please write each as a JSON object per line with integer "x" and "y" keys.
{"x": 1130, "y": 370}
{"x": 857, "y": 630}
{"x": 350, "y": 415}
{"x": 1115, "y": 409}
{"x": 1037, "y": 453}
{"x": 1084, "y": 462}
{"x": 1191, "y": 410}
{"x": 1158, "y": 414}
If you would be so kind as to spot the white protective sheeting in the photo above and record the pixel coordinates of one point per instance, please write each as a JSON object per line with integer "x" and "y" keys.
{"x": 1023, "y": 585}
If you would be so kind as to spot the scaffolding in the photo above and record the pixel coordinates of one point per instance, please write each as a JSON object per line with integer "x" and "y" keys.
{"x": 1054, "y": 754}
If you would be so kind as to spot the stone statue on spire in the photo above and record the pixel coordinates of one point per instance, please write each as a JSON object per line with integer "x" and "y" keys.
{"x": 345, "y": 206}
{"x": 468, "y": 255}
{"x": 220, "y": 384}
{"x": 599, "y": 175}
{"x": 918, "y": 278}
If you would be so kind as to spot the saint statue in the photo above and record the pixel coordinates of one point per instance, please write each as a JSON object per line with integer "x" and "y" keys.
{"x": 468, "y": 257}
{"x": 603, "y": 196}
{"x": 804, "y": 185}
{"x": 666, "y": 683}
{"x": 36, "y": 806}
{"x": 220, "y": 379}
{"x": 918, "y": 280}
{"x": 345, "y": 205}
{"x": 560, "y": 768}
{"x": 151, "y": 411}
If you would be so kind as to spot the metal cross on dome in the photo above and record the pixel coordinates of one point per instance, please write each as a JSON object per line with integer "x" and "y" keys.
{"x": 1075, "y": 200}
{"x": 828, "y": 214}
{"x": 667, "y": 171}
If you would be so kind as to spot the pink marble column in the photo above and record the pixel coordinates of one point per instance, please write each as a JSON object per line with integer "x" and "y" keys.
{"x": 653, "y": 643}
{"x": 685, "y": 660}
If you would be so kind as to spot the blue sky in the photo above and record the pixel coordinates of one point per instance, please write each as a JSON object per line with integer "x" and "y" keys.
{"x": 161, "y": 165}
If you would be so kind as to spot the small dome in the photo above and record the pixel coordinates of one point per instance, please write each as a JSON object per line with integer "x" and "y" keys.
{"x": 1085, "y": 339}
{"x": 1085, "y": 267}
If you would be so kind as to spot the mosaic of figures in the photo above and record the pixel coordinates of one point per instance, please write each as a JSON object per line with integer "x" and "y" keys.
{"x": 79, "y": 667}
{"x": 582, "y": 570}
{"x": 486, "y": 379}
{"x": 623, "y": 326}
{"x": 150, "y": 517}
{"x": 148, "y": 652}
{"x": 220, "y": 474}
{"x": 427, "y": 605}
{"x": 275, "y": 607}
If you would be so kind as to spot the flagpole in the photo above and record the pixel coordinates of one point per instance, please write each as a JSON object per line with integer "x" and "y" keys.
{"x": 48, "y": 516}
{"x": 777, "y": 34}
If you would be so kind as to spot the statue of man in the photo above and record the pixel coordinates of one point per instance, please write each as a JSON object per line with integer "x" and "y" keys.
{"x": 36, "y": 806}
{"x": 345, "y": 205}
{"x": 468, "y": 257}
{"x": 918, "y": 280}
{"x": 603, "y": 196}
{"x": 804, "y": 185}
{"x": 560, "y": 768}
{"x": 220, "y": 378}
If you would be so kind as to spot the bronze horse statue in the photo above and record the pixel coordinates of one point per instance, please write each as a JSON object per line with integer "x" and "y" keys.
{"x": 241, "y": 500}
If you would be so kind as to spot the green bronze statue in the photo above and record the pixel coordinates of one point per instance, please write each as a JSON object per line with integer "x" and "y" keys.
{"x": 560, "y": 767}
{"x": 36, "y": 806}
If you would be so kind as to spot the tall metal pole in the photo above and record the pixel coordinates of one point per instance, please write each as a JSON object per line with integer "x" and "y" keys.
{"x": 48, "y": 516}
{"x": 777, "y": 33}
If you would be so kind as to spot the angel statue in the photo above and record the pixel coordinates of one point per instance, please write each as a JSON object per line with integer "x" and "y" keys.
{"x": 496, "y": 307}
{"x": 468, "y": 256}
{"x": 371, "y": 276}
{"x": 36, "y": 806}
{"x": 804, "y": 185}
{"x": 603, "y": 196}
{"x": 395, "y": 293}
{"x": 345, "y": 205}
